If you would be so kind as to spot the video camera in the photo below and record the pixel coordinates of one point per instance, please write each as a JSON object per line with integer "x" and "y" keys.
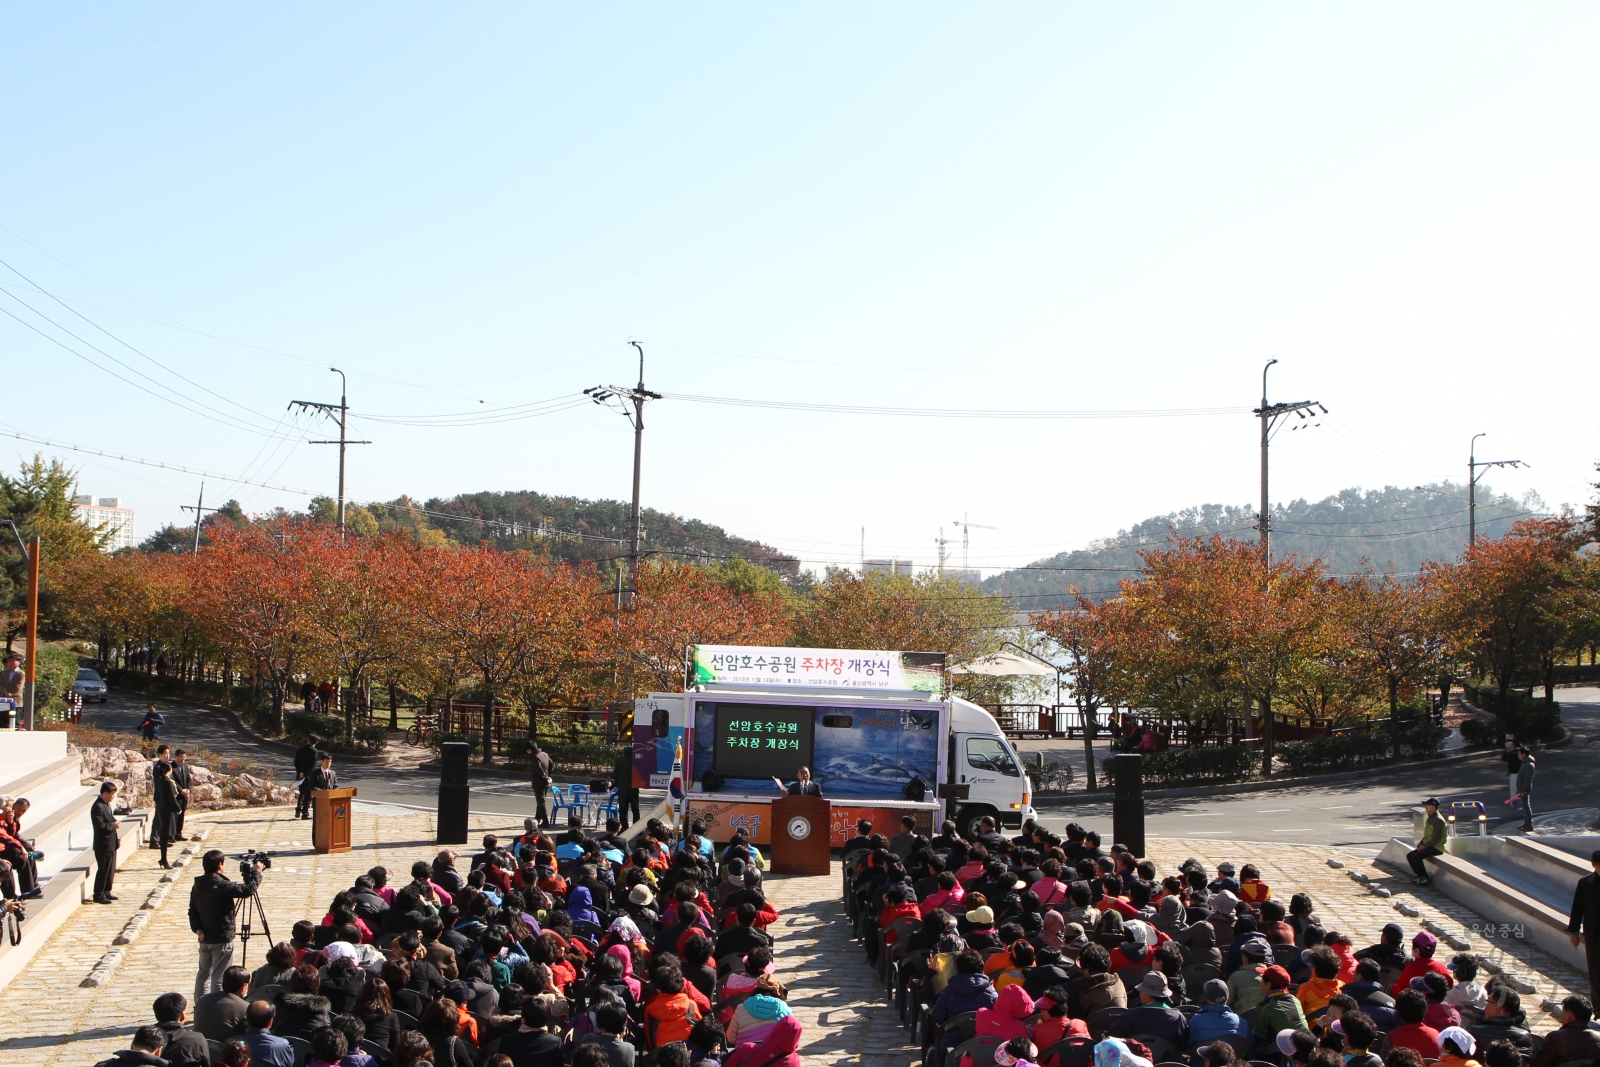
{"x": 256, "y": 859}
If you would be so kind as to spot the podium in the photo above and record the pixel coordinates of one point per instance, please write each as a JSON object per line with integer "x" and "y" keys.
{"x": 330, "y": 819}
{"x": 801, "y": 835}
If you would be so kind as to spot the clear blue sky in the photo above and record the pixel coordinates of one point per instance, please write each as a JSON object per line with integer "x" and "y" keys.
{"x": 1039, "y": 207}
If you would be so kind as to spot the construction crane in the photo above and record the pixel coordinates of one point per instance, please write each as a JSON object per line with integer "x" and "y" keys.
{"x": 965, "y": 540}
{"x": 942, "y": 541}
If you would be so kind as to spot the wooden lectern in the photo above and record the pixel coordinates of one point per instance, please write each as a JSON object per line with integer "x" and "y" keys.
{"x": 801, "y": 835}
{"x": 330, "y": 819}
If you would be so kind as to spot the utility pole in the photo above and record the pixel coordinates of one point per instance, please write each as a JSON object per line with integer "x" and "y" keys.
{"x": 1473, "y": 463}
{"x": 638, "y": 396}
{"x": 966, "y": 562}
{"x": 199, "y": 510}
{"x": 30, "y": 555}
{"x": 343, "y": 408}
{"x": 1269, "y": 414}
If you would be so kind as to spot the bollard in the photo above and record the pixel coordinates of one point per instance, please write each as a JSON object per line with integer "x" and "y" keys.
{"x": 1127, "y": 808}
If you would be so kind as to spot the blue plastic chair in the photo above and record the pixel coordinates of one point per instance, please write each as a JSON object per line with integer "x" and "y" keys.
{"x": 558, "y": 802}
{"x": 608, "y": 808}
{"x": 579, "y": 802}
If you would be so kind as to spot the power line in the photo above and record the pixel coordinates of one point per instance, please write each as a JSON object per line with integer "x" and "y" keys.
{"x": 950, "y": 413}
{"x": 49, "y": 443}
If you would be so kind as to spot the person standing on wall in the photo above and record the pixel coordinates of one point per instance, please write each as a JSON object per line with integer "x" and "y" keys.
{"x": 183, "y": 778}
{"x": 103, "y": 817}
{"x": 1584, "y": 922}
{"x": 539, "y": 767}
{"x": 305, "y": 761}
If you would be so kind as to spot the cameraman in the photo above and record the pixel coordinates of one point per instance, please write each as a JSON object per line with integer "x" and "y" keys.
{"x": 211, "y": 916}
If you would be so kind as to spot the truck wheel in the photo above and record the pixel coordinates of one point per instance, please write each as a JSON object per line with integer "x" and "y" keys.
{"x": 967, "y": 819}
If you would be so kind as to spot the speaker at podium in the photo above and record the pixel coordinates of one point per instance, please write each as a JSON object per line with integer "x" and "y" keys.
{"x": 801, "y": 835}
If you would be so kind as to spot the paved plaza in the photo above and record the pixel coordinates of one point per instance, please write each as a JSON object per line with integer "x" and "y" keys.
{"x": 49, "y": 1017}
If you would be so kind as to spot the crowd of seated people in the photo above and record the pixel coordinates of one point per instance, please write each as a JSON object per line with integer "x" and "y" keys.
{"x": 1056, "y": 951}
{"x": 534, "y": 952}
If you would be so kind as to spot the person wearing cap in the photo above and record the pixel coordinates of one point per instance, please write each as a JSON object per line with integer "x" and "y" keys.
{"x": 1224, "y": 880}
{"x": 1244, "y": 984}
{"x": 1440, "y": 1015}
{"x": 1421, "y": 963}
{"x": 1278, "y": 1009}
{"x": 1215, "y": 1018}
{"x": 1434, "y": 835}
{"x": 1155, "y": 1015}
{"x": 1583, "y": 924}
{"x": 1295, "y": 1046}
{"x": 1456, "y": 1047}
{"x": 1390, "y": 950}
{"x": 981, "y": 934}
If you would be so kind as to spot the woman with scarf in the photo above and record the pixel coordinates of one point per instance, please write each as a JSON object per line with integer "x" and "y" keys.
{"x": 758, "y": 1013}
{"x": 777, "y": 1049}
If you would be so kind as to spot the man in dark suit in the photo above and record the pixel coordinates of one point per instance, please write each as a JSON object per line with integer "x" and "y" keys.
{"x": 183, "y": 778}
{"x": 1584, "y": 922}
{"x": 305, "y": 761}
{"x": 803, "y": 785}
{"x": 106, "y": 840}
{"x": 322, "y": 775}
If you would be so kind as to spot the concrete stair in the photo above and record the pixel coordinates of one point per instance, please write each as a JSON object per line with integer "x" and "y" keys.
{"x": 36, "y": 766}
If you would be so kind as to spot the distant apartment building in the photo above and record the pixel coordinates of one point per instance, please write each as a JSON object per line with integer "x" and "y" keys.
{"x": 109, "y": 516}
{"x": 971, "y": 576}
{"x": 887, "y": 566}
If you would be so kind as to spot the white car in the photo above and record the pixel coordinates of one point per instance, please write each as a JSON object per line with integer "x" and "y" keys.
{"x": 89, "y": 685}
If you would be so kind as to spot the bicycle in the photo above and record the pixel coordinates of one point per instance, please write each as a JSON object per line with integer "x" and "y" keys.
{"x": 421, "y": 731}
{"x": 16, "y": 912}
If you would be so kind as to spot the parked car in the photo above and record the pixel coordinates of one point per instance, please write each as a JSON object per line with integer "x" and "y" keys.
{"x": 89, "y": 685}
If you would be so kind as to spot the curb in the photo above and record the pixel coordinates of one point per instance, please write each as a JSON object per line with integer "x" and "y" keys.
{"x": 237, "y": 722}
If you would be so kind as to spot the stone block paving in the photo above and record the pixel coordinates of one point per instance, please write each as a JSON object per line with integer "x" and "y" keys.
{"x": 1345, "y": 905}
{"x": 49, "y": 1018}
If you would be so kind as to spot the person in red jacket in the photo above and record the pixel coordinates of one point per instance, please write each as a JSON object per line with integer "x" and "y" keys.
{"x": 897, "y": 904}
{"x": 1421, "y": 963}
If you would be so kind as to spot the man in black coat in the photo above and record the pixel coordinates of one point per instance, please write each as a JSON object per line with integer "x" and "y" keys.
{"x": 184, "y": 1047}
{"x": 322, "y": 776}
{"x": 540, "y": 769}
{"x": 183, "y": 778}
{"x": 211, "y": 916}
{"x": 144, "y": 1050}
{"x": 532, "y": 1044}
{"x": 305, "y": 761}
{"x": 1584, "y": 922}
{"x": 742, "y": 936}
{"x": 627, "y": 793}
{"x": 106, "y": 839}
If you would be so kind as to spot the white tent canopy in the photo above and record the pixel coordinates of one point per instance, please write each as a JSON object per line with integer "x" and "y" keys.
{"x": 1004, "y": 663}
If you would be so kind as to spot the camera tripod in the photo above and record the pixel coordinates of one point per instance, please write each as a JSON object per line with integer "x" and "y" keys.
{"x": 243, "y": 910}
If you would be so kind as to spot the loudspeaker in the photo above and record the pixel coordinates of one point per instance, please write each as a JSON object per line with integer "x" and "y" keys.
{"x": 452, "y": 815}
{"x": 1127, "y": 807}
{"x": 453, "y": 757}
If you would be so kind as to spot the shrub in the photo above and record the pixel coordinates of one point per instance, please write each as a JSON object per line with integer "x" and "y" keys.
{"x": 1319, "y": 755}
{"x": 1193, "y": 766}
{"x": 299, "y": 725}
{"x": 1528, "y": 720}
{"x": 473, "y": 741}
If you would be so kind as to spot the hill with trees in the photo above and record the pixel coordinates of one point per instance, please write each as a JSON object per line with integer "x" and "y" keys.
{"x": 555, "y": 527}
{"x": 1392, "y": 529}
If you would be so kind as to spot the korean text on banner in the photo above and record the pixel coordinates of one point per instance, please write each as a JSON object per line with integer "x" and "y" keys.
{"x": 836, "y": 667}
